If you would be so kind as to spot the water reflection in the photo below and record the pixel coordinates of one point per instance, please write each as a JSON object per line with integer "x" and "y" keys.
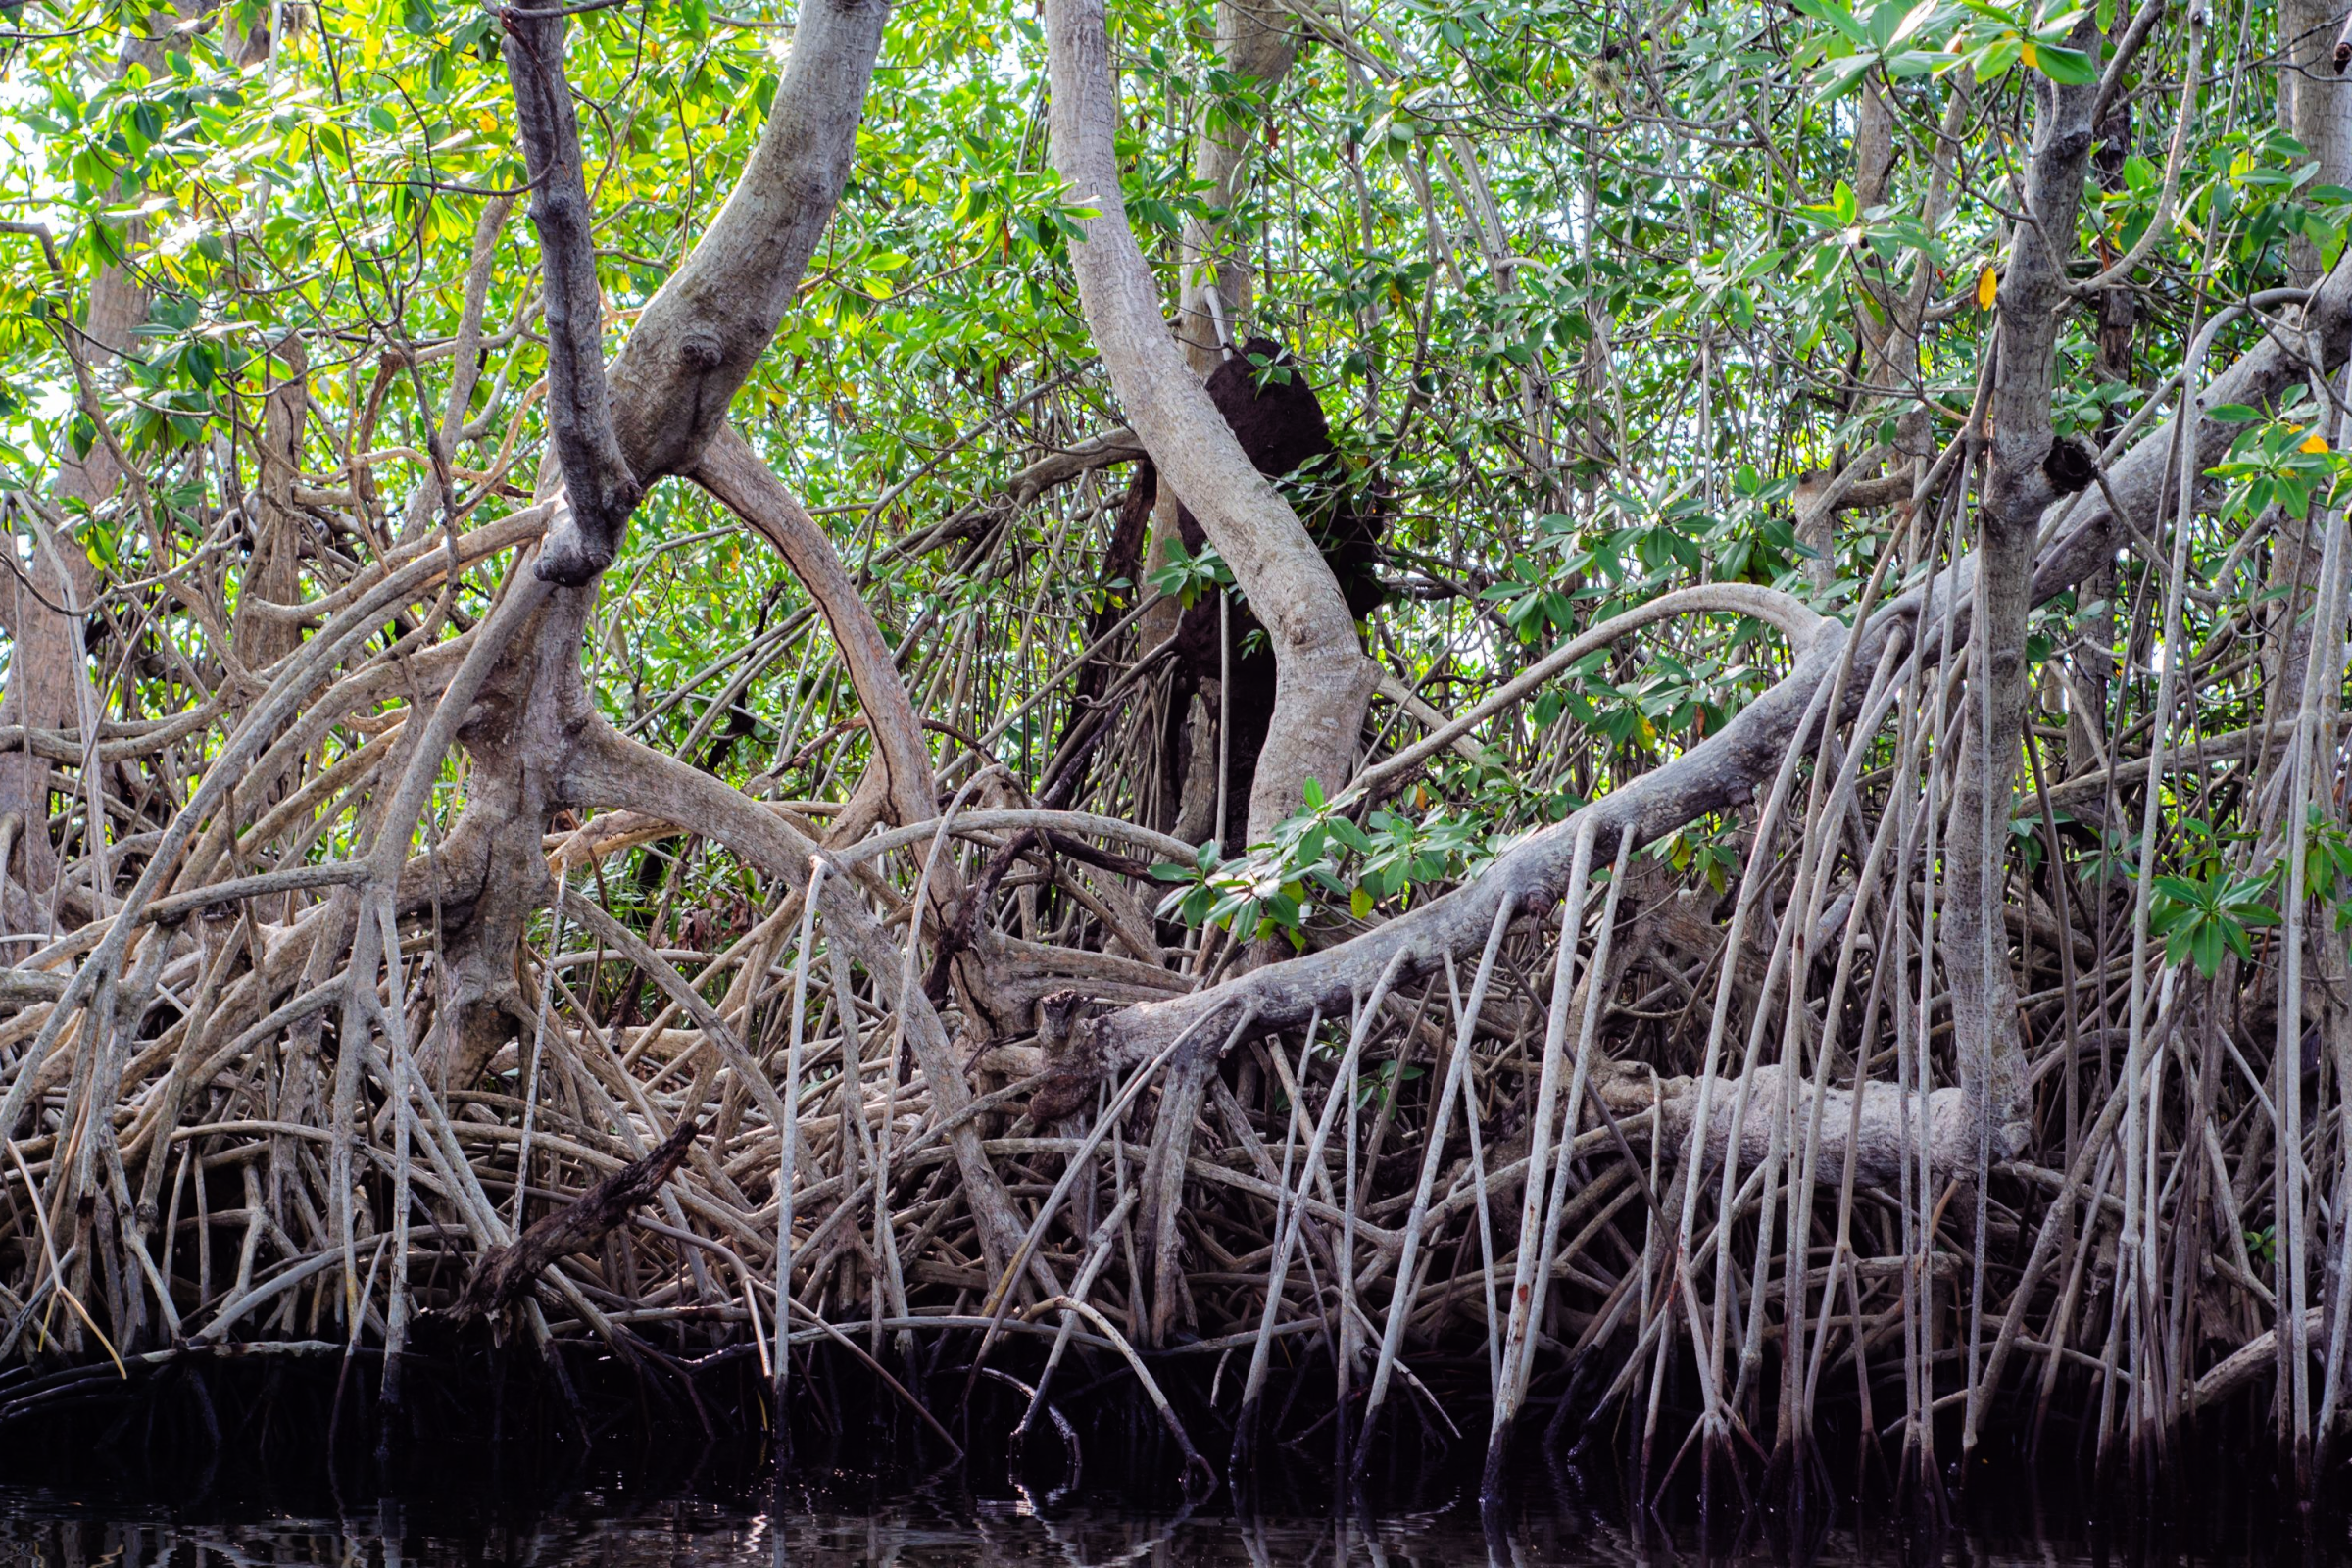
{"x": 595, "y": 1531}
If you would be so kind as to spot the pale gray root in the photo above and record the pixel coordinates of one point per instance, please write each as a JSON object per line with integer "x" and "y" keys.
{"x": 1887, "y": 1134}
{"x": 610, "y": 768}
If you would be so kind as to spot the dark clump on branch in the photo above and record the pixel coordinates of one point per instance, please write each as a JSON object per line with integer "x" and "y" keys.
{"x": 1262, "y": 392}
{"x": 2070, "y": 466}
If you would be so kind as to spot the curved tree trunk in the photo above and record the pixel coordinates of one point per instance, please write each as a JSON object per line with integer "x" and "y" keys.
{"x": 613, "y": 435}
{"x": 1247, "y": 46}
{"x": 1323, "y": 680}
{"x": 1732, "y": 765}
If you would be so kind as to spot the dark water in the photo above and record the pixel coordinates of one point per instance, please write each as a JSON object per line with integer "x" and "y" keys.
{"x": 473, "y": 1527}
{"x": 271, "y": 1472}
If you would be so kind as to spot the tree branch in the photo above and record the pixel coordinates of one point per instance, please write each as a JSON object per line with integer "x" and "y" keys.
{"x": 503, "y": 1273}
{"x": 698, "y": 338}
{"x": 601, "y": 488}
{"x": 733, "y": 473}
{"x": 1323, "y": 682}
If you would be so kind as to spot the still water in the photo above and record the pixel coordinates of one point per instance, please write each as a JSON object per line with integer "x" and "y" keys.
{"x": 936, "y": 1529}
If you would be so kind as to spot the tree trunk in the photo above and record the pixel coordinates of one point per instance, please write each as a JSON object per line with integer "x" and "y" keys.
{"x": 657, "y": 411}
{"x": 1247, "y": 46}
{"x": 1323, "y": 682}
{"x": 2319, "y": 103}
{"x": 2017, "y": 491}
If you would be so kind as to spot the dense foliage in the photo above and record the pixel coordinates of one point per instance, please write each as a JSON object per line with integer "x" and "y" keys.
{"x": 1602, "y": 305}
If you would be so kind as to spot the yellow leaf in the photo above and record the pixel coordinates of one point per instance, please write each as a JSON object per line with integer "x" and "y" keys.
{"x": 485, "y": 121}
{"x": 1989, "y": 282}
{"x": 2314, "y": 442}
{"x": 2029, "y": 54}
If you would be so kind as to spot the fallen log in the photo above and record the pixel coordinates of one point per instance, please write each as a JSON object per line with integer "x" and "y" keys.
{"x": 503, "y": 1273}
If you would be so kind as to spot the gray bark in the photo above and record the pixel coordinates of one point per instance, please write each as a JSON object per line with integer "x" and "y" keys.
{"x": 600, "y": 490}
{"x": 1323, "y": 682}
{"x": 2017, "y": 492}
{"x": 2319, "y": 107}
{"x": 698, "y": 338}
{"x": 1247, "y": 46}
{"x": 665, "y": 397}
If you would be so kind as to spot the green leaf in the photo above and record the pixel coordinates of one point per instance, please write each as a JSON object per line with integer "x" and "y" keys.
{"x": 1994, "y": 59}
{"x": 2069, "y": 66}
